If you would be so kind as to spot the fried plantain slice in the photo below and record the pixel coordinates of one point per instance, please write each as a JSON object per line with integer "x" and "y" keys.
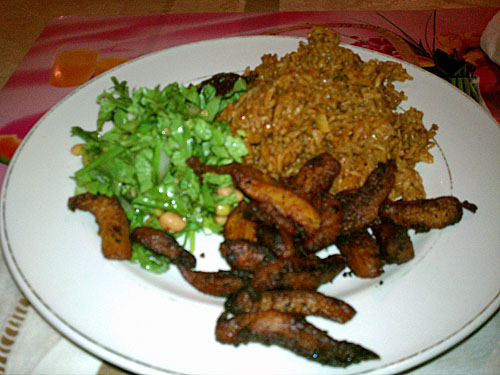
{"x": 362, "y": 254}
{"x": 243, "y": 254}
{"x": 162, "y": 243}
{"x": 394, "y": 242}
{"x": 360, "y": 207}
{"x": 263, "y": 188}
{"x": 291, "y": 332}
{"x": 303, "y": 302}
{"x": 297, "y": 273}
{"x": 237, "y": 227}
{"x": 113, "y": 223}
{"x": 423, "y": 215}
{"x": 219, "y": 283}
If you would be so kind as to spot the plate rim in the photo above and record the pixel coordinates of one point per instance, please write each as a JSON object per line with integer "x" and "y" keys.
{"x": 465, "y": 330}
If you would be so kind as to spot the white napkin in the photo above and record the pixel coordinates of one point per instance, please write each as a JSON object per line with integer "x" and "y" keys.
{"x": 490, "y": 39}
{"x": 28, "y": 345}
{"x": 39, "y": 349}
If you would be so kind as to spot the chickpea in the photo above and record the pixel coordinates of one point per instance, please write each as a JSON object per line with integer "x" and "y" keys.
{"x": 221, "y": 220}
{"x": 222, "y": 210}
{"x": 77, "y": 149}
{"x": 172, "y": 222}
{"x": 227, "y": 190}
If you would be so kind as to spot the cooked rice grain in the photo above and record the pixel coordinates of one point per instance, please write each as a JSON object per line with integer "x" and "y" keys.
{"x": 323, "y": 97}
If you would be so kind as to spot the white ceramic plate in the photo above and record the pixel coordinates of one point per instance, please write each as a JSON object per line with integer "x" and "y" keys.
{"x": 159, "y": 324}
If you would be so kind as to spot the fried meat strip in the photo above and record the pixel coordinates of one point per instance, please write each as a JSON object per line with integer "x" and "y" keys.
{"x": 291, "y": 332}
{"x": 113, "y": 224}
{"x": 362, "y": 254}
{"x": 264, "y": 213}
{"x": 277, "y": 240}
{"x": 162, "y": 243}
{"x": 297, "y": 273}
{"x": 303, "y": 302}
{"x": 237, "y": 227}
{"x": 243, "y": 254}
{"x": 219, "y": 283}
{"x": 360, "y": 207}
{"x": 330, "y": 210}
{"x": 263, "y": 188}
{"x": 315, "y": 176}
{"x": 394, "y": 242}
{"x": 425, "y": 214}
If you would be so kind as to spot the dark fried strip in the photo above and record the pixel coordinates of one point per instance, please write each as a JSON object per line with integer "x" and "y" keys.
{"x": 394, "y": 242}
{"x": 425, "y": 214}
{"x": 316, "y": 176}
{"x": 243, "y": 254}
{"x": 330, "y": 210}
{"x": 362, "y": 254}
{"x": 162, "y": 243}
{"x": 360, "y": 207}
{"x": 303, "y": 302}
{"x": 222, "y": 82}
{"x": 265, "y": 213}
{"x": 297, "y": 273}
{"x": 113, "y": 223}
{"x": 219, "y": 283}
{"x": 291, "y": 332}
{"x": 277, "y": 240}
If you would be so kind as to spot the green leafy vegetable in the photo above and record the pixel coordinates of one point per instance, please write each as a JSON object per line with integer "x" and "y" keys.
{"x": 141, "y": 157}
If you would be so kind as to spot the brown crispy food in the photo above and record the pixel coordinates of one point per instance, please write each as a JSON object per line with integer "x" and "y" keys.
{"x": 162, "y": 243}
{"x": 263, "y": 188}
{"x": 113, "y": 223}
{"x": 315, "y": 176}
{"x": 303, "y": 302}
{"x": 362, "y": 254}
{"x": 264, "y": 213}
{"x": 244, "y": 254}
{"x": 330, "y": 210}
{"x": 220, "y": 283}
{"x": 291, "y": 332}
{"x": 297, "y": 273}
{"x": 277, "y": 240}
{"x": 360, "y": 207}
{"x": 237, "y": 227}
{"x": 394, "y": 242}
{"x": 222, "y": 82}
{"x": 426, "y": 214}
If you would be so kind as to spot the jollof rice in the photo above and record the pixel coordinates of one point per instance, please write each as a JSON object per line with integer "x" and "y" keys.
{"x": 323, "y": 97}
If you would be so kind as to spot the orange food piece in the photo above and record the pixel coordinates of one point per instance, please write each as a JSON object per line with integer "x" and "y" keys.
{"x": 107, "y": 63}
{"x": 73, "y": 67}
{"x": 8, "y": 145}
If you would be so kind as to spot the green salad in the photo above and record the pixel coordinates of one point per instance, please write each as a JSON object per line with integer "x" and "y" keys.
{"x": 139, "y": 150}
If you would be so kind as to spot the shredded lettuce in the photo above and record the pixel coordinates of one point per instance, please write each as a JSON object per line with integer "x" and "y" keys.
{"x": 141, "y": 156}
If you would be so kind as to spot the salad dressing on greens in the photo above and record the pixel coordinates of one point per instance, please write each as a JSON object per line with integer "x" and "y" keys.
{"x": 139, "y": 150}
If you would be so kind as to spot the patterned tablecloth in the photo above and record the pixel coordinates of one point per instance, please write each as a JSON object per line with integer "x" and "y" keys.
{"x": 71, "y": 50}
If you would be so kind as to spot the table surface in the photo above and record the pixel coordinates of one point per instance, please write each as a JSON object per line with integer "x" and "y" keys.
{"x": 21, "y": 22}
